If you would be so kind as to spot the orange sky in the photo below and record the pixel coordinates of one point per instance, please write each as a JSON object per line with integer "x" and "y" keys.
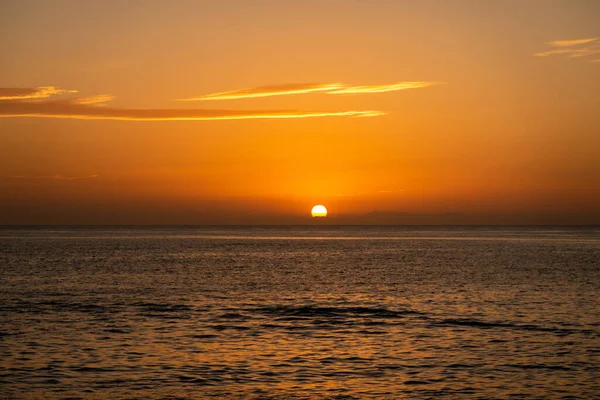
{"x": 238, "y": 112}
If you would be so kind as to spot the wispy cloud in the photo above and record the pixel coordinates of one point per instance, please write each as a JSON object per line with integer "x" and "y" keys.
{"x": 73, "y": 110}
{"x": 552, "y": 52}
{"x": 99, "y": 99}
{"x": 588, "y": 51}
{"x": 377, "y": 193}
{"x": 27, "y": 102}
{"x": 349, "y": 194}
{"x": 87, "y": 108}
{"x": 31, "y": 93}
{"x": 382, "y": 88}
{"x": 300, "y": 88}
{"x": 573, "y": 42}
{"x": 267, "y": 91}
{"x": 572, "y": 48}
{"x": 572, "y": 53}
{"x": 56, "y": 177}
{"x": 391, "y": 191}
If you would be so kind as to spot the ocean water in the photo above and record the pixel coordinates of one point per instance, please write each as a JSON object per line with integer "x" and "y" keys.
{"x": 299, "y": 313}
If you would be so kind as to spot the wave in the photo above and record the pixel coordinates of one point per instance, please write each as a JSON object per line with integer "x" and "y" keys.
{"x": 52, "y": 306}
{"x": 316, "y": 311}
{"x": 162, "y": 308}
{"x": 474, "y": 323}
{"x": 553, "y": 367}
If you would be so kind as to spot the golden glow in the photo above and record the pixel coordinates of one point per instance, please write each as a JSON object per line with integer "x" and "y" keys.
{"x": 319, "y": 211}
{"x": 269, "y": 121}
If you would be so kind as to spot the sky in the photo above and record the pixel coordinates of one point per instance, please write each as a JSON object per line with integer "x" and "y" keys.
{"x": 251, "y": 112}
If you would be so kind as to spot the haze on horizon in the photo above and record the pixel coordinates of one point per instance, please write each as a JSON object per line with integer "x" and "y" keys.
{"x": 237, "y": 112}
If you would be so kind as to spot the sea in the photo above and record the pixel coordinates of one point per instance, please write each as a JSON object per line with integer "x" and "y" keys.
{"x": 299, "y": 312}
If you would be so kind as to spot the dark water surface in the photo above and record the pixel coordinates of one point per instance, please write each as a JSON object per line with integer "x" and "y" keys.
{"x": 299, "y": 313}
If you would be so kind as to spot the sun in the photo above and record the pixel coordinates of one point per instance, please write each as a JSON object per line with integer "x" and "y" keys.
{"x": 319, "y": 211}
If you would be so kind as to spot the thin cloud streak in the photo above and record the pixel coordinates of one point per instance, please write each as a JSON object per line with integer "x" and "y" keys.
{"x": 586, "y": 51}
{"x": 301, "y": 88}
{"x": 574, "y": 42}
{"x": 571, "y": 53}
{"x": 553, "y": 52}
{"x": 31, "y": 93}
{"x": 379, "y": 192}
{"x": 383, "y": 88}
{"x": 391, "y": 191}
{"x": 56, "y": 177}
{"x": 74, "y": 110}
{"x": 572, "y": 48}
{"x": 99, "y": 99}
{"x": 267, "y": 91}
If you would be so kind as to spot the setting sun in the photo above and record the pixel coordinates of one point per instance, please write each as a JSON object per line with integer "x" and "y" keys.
{"x": 319, "y": 211}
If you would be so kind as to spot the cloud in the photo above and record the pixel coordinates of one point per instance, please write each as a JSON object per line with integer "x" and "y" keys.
{"x": 349, "y": 194}
{"x": 379, "y": 192}
{"x": 571, "y": 48}
{"x": 586, "y": 51}
{"x": 99, "y": 99}
{"x": 552, "y": 52}
{"x": 27, "y": 102}
{"x": 84, "y": 109}
{"x": 300, "y": 88}
{"x": 30, "y": 94}
{"x": 574, "y": 42}
{"x": 56, "y": 177}
{"x": 391, "y": 191}
{"x": 571, "y": 53}
{"x": 382, "y": 88}
{"x": 267, "y": 91}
